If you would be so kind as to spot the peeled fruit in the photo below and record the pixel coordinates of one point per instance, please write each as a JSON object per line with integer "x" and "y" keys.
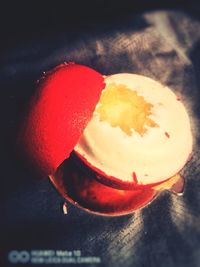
{"x": 62, "y": 106}
{"x": 130, "y": 140}
{"x": 139, "y": 134}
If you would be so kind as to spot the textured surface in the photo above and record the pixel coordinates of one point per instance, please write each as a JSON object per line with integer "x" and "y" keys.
{"x": 61, "y": 107}
{"x": 162, "y": 45}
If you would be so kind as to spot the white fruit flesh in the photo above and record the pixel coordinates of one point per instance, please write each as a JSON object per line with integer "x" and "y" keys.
{"x": 154, "y": 154}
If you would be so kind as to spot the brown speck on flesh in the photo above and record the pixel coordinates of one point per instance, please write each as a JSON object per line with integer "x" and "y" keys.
{"x": 178, "y": 98}
{"x": 135, "y": 178}
{"x": 146, "y": 175}
{"x": 167, "y": 134}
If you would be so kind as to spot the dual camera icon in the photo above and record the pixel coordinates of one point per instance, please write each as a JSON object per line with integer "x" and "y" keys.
{"x": 15, "y": 256}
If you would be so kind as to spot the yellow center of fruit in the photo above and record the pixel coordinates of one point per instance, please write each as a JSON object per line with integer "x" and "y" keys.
{"x": 124, "y": 108}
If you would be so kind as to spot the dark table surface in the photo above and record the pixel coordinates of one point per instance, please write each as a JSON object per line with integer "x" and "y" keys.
{"x": 162, "y": 42}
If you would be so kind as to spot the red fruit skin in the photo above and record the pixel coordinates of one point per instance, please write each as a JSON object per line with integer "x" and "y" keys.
{"x": 108, "y": 180}
{"x": 85, "y": 192}
{"x": 62, "y": 106}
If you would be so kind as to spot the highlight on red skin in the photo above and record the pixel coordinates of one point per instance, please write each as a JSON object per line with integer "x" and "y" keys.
{"x": 87, "y": 193}
{"x": 61, "y": 107}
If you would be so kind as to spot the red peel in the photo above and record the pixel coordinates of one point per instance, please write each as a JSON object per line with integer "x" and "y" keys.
{"x": 60, "y": 110}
